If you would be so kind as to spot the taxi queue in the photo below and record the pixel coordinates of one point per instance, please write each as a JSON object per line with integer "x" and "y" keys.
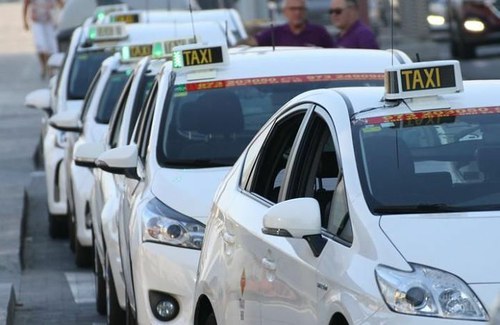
{"x": 203, "y": 193}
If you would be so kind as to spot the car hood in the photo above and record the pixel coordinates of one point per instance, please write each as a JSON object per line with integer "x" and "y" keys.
{"x": 188, "y": 191}
{"x": 463, "y": 244}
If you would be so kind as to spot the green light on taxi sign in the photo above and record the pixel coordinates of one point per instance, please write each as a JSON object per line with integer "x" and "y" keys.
{"x": 177, "y": 60}
{"x": 125, "y": 53}
{"x": 158, "y": 51}
{"x": 100, "y": 16}
{"x": 92, "y": 33}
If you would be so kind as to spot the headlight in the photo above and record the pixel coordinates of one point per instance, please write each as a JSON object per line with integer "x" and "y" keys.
{"x": 61, "y": 140}
{"x": 474, "y": 25}
{"x": 428, "y": 292}
{"x": 162, "y": 224}
{"x": 435, "y": 20}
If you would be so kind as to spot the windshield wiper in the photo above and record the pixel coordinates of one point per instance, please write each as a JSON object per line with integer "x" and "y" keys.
{"x": 197, "y": 163}
{"x": 418, "y": 208}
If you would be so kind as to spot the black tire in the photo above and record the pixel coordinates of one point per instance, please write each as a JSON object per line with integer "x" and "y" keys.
{"x": 83, "y": 255}
{"x": 211, "y": 319}
{"x": 71, "y": 231}
{"x": 100, "y": 285}
{"x": 115, "y": 314}
{"x": 57, "y": 226}
{"x": 129, "y": 314}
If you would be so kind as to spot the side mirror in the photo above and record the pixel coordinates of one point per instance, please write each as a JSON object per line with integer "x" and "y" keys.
{"x": 56, "y": 60}
{"x": 66, "y": 121}
{"x": 121, "y": 160}
{"x": 39, "y": 99}
{"x": 86, "y": 154}
{"x": 297, "y": 218}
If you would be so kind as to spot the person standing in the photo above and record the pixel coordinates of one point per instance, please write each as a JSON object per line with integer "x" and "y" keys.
{"x": 42, "y": 27}
{"x": 297, "y": 31}
{"x": 353, "y": 33}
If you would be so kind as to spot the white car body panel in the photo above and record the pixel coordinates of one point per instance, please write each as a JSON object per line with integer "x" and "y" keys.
{"x": 342, "y": 279}
{"x": 244, "y": 63}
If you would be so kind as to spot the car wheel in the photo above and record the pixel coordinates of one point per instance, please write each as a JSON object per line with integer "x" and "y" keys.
{"x": 211, "y": 319}
{"x": 71, "y": 231}
{"x": 83, "y": 255}
{"x": 57, "y": 226}
{"x": 115, "y": 314}
{"x": 129, "y": 314}
{"x": 100, "y": 285}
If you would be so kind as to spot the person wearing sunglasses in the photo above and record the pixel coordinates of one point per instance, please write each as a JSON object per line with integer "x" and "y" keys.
{"x": 353, "y": 33}
{"x": 298, "y": 31}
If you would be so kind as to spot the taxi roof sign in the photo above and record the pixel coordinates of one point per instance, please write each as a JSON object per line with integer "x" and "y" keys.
{"x": 107, "y": 32}
{"x": 101, "y": 11}
{"x": 135, "y": 52}
{"x": 423, "y": 79}
{"x": 125, "y": 17}
{"x": 164, "y": 49}
{"x": 199, "y": 56}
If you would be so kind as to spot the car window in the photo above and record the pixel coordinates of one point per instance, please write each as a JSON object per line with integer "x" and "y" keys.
{"x": 83, "y": 69}
{"x": 110, "y": 95}
{"x": 90, "y": 95}
{"x": 117, "y": 117}
{"x": 144, "y": 128}
{"x": 457, "y": 151}
{"x": 316, "y": 174}
{"x": 140, "y": 101}
{"x": 251, "y": 156}
{"x": 269, "y": 173}
{"x": 210, "y": 124}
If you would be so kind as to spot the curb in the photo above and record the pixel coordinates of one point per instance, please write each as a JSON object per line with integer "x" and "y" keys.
{"x": 10, "y": 275}
{"x": 7, "y": 303}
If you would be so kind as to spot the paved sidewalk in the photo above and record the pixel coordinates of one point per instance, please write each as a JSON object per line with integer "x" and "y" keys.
{"x": 19, "y": 133}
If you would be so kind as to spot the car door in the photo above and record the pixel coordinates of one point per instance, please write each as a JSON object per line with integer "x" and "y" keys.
{"x": 132, "y": 186}
{"x": 266, "y": 276}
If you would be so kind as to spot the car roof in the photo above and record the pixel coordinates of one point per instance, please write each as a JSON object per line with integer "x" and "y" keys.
{"x": 475, "y": 95}
{"x": 264, "y": 61}
{"x": 150, "y": 33}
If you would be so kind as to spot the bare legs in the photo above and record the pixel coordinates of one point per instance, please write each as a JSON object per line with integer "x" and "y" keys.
{"x": 44, "y": 58}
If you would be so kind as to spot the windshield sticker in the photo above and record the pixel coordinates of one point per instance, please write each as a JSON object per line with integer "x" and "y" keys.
{"x": 180, "y": 91}
{"x": 431, "y": 117}
{"x": 283, "y": 80}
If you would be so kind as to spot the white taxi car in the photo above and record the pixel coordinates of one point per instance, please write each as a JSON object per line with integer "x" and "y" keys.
{"x": 349, "y": 209}
{"x": 230, "y": 19}
{"x": 80, "y": 65}
{"x": 107, "y": 189}
{"x": 94, "y": 119}
{"x": 206, "y": 106}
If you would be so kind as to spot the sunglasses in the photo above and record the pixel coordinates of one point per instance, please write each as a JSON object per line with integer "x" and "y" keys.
{"x": 336, "y": 11}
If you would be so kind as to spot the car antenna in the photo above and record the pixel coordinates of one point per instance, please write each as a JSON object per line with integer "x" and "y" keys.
{"x": 227, "y": 31}
{"x": 417, "y": 55}
{"x": 271, "y": 6}
{"x": 192, "y": 21}
{"x": 392, "y": 32}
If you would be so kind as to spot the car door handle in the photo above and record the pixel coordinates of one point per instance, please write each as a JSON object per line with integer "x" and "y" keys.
{"x": 268, "y": 264}
{"x": 228, "y": 238}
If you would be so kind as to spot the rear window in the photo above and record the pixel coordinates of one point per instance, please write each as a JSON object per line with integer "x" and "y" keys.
{"x": 83, "y": 69}
{"x": 110, "y": 95}
{"x": 209, "y": 124}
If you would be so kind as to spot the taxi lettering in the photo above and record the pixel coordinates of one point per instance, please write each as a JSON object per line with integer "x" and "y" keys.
{"x": 128, "y": 19}
{"x": 139, "y": 51}
{"x": 428, "y": 78}
{"x": 202, "y": 56}
{"x": 418, "y": 79}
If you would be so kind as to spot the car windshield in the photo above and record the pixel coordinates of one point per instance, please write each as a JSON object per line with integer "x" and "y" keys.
{"x": 83, "y": 69}
{"x": 208, "y": 125}
{"x": 437, "y": 161}
{"x": 110, "y": 95}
